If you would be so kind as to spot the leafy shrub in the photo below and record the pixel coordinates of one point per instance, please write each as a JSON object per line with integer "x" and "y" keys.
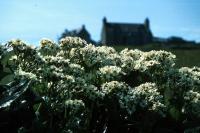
{"x": 84, "y": 88}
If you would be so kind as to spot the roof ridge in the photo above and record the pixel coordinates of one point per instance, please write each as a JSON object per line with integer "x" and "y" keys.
{"x": 116, "y": 23}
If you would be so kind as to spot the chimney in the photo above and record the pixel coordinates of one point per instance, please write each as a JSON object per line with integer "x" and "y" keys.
{"x": 147, "y": 23}
{"x": 104, "y": 20}
{"x": 83, "y": 26}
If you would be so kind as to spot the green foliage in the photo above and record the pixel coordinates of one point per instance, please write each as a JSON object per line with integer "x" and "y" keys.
{"x": 78, "y": 87}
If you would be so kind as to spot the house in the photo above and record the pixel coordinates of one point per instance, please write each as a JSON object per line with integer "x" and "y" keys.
{"x": 126, "y": 33}
{"x": 80, "y": 32}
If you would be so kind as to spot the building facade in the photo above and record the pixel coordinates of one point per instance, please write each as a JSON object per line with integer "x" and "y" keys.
{"x": 126, "y": 33}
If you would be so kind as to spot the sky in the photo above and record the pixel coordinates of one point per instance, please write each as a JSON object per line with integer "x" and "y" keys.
{"x": 32, "y": 20}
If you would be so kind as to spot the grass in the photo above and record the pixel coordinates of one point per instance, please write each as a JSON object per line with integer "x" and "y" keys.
{"x": 185, "y": 57}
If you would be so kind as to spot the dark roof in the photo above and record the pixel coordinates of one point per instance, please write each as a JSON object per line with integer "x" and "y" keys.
{"x": 126, "y": 26}
{"x": 79, "y": 30}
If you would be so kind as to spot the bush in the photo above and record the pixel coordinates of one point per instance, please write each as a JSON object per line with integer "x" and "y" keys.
{"x": 78, "y": 87}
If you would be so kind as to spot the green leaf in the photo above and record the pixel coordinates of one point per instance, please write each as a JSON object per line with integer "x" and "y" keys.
{"x": 175, "y": 113}
{"x": 13, "y": 93}
{"x": 6, "y": 79}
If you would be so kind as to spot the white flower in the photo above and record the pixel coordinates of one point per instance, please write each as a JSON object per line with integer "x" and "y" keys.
{"x": 74, "y": 104}
{"x": 113, "y": 87}
{"x": 75, "y": 69}
{"x": 23, "y": 74}
{"x": 98, "y": 56}
{"x": 192, "y": 103}
{"x": 16, "y": 43}
{"x": 72, "y": 42}
{"x": 108, "y": 73}
{"x": 47, "y": 43}
{"x": 14, "y": 57}
{"x": 145, "y": 96}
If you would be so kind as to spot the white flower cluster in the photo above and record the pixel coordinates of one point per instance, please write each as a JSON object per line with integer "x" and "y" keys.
{"x": 191, "y": 76}
{"x": 114, "y": 87}
{"x": 60, "y": 66}
{"x": 21, "y": 49}
{"x": 77, "y": 70}
{"x": 16, "y": 43}
{"x": 129, "y": 58}
{"x": 68, "y": 43}
{"x": 93, "y": 93}
{"x": 109, "y": 73}
{"x": 149, "y": 97}
{"x": 48, "y": 47}
{"x": 74, "y": 104}
{"x": 121, "y": 91}
{"x": 157, "y": 60}
{"x": 179, "y": 81}
{"x": 146, "y": 61}
{"x": 74, "y": 113}
{"x": 165, "y": 58}
{"x": 135, "y": 54}
{"x": 192, "y": 103}
{"x": 92, "y": 56}
{"x": 56, "y": 60}
{"x": 25, "y": 75}
{"x": 47, "y": 43}
{"x": 145, "y": 96}
{"x": 143, "y": 65}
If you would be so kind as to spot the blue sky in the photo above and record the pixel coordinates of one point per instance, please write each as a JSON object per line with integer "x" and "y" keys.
{"x": 32, "y": 20}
